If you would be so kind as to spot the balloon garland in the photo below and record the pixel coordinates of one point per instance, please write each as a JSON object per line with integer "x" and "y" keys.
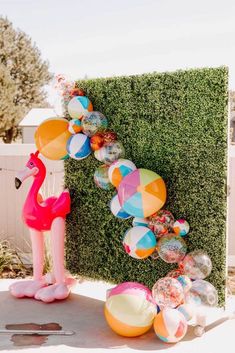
{"x": 140, "y": 193}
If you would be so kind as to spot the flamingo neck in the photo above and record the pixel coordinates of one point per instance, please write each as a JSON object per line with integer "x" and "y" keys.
{"x": 33, "y": 193}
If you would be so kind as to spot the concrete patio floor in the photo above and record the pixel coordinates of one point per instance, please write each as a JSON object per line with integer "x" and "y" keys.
{"x": 82, "y": 312}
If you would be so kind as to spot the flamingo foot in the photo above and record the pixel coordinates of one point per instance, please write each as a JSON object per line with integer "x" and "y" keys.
{"x": 57, "y": 291}
{"x": 26, "y": 288}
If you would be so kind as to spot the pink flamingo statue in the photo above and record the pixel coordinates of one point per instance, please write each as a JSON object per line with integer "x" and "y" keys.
{"x": 43, "y": 215}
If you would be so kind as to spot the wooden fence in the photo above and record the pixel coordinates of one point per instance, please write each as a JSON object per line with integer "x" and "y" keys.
{"x": 13, "y": 158}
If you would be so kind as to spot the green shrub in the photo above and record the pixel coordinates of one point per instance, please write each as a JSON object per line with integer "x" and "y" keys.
{"x": 176, "y": 125}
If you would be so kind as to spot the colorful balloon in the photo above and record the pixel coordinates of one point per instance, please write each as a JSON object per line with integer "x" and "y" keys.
{"x": 181, "y": 227}
{"x": 116, "y": 209}
{"x": 168, "y": 292}
{"x": 203, "y": 293}
{"x": 75, "y": 126}
{"x": 171, "y": 248}
{"x": 175, "y": 273}
{"x": 51, "y": 138}
{"x": 196, "y": 264}
{"x": 170, "y": 325}
{"x": 139, "y": 242}
{"x": 78, "y": 146}
{"x": 79, "y": 106}
{"x": 110, "y": 152}
{"x": 109, "y": 136}
{"x": 130, "y": 309}
{"x": 119, "y": 169}
{"x": 101, "y": 177}
{"x": 97, "y": 141}
{"x": 93, "y": 122}
{"x": 140, "y": 222}
{"x": 142, "y": 193}
{"x": 187, "y": 310}
{"x": 161, "y": 222}
{"x": 185, "y": 282}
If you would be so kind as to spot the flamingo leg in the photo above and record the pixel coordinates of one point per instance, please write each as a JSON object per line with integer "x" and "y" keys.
{"x": 37, "y": 241}
{"x": 29, "y": 288}
{"x": 62, "y": 286}
{"x": 57, "y": 247}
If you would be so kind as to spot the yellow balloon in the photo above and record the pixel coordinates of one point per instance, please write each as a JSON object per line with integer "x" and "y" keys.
{"x": 51, "y": 138}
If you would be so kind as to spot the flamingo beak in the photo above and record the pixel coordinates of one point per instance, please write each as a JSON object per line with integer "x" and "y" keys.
{"x": 24, "y": 174}
{"x": 17, "y": 183}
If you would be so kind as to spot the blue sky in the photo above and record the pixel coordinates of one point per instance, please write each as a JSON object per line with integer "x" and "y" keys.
{"x": 115, "y": 37}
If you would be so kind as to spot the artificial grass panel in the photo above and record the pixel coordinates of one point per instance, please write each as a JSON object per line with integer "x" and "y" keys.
{"x": 176, "y": 125}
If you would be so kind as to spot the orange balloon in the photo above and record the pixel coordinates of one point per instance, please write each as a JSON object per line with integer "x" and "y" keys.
{"x": 51, "y": 138}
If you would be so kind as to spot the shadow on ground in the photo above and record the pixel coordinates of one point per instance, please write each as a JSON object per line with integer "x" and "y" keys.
{"x": 81, "y": 314}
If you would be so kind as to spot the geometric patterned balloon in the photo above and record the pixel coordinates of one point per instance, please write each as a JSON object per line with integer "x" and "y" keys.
{"x": 139, "y": 242}
{"x": 142, "y": 193}
{"x": 170, "y": 325}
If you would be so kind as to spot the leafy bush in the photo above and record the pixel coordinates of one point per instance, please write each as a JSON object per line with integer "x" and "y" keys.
{"x": 171, "y": 123}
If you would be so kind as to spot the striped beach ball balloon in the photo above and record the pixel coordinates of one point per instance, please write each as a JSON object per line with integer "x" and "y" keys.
{"x": 139, "y": 242}
{"x": 137, "y": 221}
{"x": 78, "y": 146}
{"x": 181, "y": 227}
{"x": 79, "y": 106}
{"x": 130, "y": 309}
{"x": 75, "y": 126}
{"x": 170, "y": 325}
{"x": 119, "y": 169}
{"x": 51, "y": 138}
{"x": 142, "y": 193}
{"x": 116, "y": 209}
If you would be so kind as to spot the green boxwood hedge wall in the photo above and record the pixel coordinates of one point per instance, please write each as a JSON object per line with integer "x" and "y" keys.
{"x": 176, "y": 125}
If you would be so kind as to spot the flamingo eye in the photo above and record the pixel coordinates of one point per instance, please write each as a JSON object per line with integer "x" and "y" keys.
{"x": 31, "y": 163}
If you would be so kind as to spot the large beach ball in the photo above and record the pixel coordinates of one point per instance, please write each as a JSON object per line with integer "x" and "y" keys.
{"x": 171, "y": 248}
{"x": 78, "y": 146}
{"x": 110, "y": 152}
{"x": 119, "y": 169}
{"x": 196, "y": 264}
{"x": 93, "y": 122}
{"x": 101, "y": 177}
{"x": 168, "y": 292}
{"x": 139, "y": 242}
{"x": 116, "y": 209}
{"x": 142, "y": 193}
{"x": 79, "y": 106}
{"x": 130, "y": 309}
{"x": 51, "y": 138}
{"x": 181, "y": 227}
{"x": 170, "y": 325}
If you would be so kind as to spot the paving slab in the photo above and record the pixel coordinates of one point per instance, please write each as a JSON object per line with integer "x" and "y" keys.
{"x": 82, "y": 313}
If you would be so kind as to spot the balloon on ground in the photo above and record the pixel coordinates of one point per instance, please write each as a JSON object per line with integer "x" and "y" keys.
{"x": 170, "y": 325}
{"x": 130, "y": 309}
